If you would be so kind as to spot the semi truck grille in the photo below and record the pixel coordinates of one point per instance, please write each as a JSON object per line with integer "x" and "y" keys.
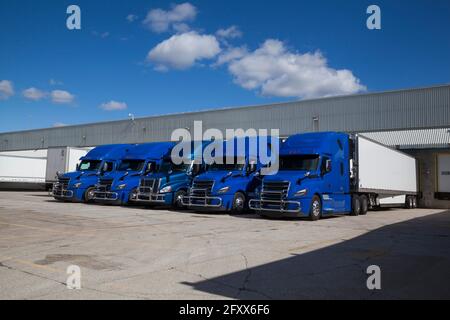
{"x": 63, "y": 182}
{"x": 104, "y": 185}
{"x": 202, "y": 188}
{"x": 274, "y": 190}
{"x": 149, "y": 185}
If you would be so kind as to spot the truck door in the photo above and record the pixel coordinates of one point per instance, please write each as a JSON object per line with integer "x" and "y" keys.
{"x": 326, "y": 169}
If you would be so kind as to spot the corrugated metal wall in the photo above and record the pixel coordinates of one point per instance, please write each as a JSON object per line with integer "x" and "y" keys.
{"x": 397, "y": 110}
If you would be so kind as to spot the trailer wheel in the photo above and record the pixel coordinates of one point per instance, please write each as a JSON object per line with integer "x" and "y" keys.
{"x": 178, "y": 199}
{"x": 89, "y": 195}
{"x": 315, "y": 213}
{"x": 238, "y": 203}
{"x": 364, "y": 205}
{"x": 356, "y": 206}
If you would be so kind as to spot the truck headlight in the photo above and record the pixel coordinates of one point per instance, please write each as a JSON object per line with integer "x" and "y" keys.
{"x": 121, "y": 186}
{"x": 166, "y": 189}
{"x": 77, "y": 185}
{"x": 224, "y": 190}
{"x": 301, "y": 193}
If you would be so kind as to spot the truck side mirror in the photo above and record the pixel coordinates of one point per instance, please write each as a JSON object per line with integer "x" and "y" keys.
{"x": 328, "y": 167}
{"x": 251, "y": 168}
{"x": 149, "y": 168}
{"x": 77, "y": 167}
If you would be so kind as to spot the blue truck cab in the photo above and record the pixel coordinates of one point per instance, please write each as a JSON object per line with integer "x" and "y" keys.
{"x": 79, "y": 186}
{"x": 313, "y": 178}
{"x": 120, "y": 186}
{"x": 230, "y": 185}
{"x": 168, "y": 185}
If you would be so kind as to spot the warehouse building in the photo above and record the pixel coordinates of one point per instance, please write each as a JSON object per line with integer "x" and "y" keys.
{"x": 416, "y": 121}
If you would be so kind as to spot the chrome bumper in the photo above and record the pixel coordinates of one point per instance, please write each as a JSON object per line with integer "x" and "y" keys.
{"x": 105, "y": 196}
{"x": 145, "y": 195}
{"x": 187, "y": 201}
{"x": 277, "y": 206}
{"x": 59, "y": 192}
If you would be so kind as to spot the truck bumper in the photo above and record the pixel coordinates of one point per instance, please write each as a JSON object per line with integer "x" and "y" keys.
{"x": 277, "y": 209}
{"x": 209, "y": 203}
{"x": 150, "y": 198}
{"x": 108, "y": 197}
{"x": 61, "y": 193}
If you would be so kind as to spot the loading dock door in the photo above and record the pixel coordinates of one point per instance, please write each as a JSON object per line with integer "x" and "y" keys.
{"x": 443, "y": 176}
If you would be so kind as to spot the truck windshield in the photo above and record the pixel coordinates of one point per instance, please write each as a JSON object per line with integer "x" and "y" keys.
{"x": 89, "y": 165}
{"x": 131, "y": 165}
{"x": 299, "y": 162}
{"x": 229, "y": 164}
{"x": 167, "y": 166}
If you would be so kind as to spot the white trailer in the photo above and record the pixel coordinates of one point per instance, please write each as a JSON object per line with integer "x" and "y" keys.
{"x": 62, "y": 160}
{"x": 389, "y": 174}
{"x": 23, "y": 169}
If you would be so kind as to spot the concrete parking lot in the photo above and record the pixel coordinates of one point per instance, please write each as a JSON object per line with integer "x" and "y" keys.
{"x": 138, "y": 253}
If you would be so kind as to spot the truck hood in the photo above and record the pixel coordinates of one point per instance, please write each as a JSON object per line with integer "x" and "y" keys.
{"x": 236, "y": 181}
{"x": 167, "y": 180}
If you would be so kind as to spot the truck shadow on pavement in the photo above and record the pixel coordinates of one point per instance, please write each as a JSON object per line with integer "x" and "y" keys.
{"x": 414, "y": 257}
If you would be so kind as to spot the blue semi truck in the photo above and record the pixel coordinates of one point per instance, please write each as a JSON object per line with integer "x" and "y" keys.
{"x": 329, "y": 173}
{"x": 169, "y": 184}
{"x": 79, "y": 186}
{"x": 229, "y": 185}
{"x": 120, "y": 186}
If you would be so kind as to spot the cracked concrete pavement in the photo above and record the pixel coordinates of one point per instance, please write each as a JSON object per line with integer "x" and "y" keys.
{"x": 138, "y": 253}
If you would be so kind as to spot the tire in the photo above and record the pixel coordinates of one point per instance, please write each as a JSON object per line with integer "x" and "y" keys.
{"x": 409, "y": 202}
{"x": 239, "y": 203}
{"x": 415, "y": 202}
{"x": 356, "y": 206}
{"x": 364, "y": 205}
{"x": 177, "y": 199}
{"x": 89, "y": 194}
{"x": 315, "y": 212}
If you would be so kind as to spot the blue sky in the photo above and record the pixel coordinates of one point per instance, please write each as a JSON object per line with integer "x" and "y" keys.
{"x": 177, "y": 60}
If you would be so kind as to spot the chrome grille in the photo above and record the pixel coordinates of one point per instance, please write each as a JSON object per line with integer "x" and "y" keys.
{"x": 148, "y": 185}
{"x": 201, "y": 188}
{"x": 274, "y": 190}
{"x": 104, "y": 185}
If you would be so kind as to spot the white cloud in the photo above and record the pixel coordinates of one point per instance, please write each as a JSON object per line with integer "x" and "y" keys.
{"x": 33, "y": 94}
{"x": 61, "y": 96}
{"x": 232, "y": 32}
{"x": 182, "y": 51}
{"x": 230, "y": 55}
{"x": 6, "y": 89}
{"x": 113, "y": 106}
{"x": 159, "y": 20}
{"x": 275, "y": 71}
{"x": 131, "y": 17}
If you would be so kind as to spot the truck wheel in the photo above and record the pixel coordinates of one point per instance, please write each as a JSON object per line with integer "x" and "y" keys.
{"x": 89, "y": 195}
{"x": 178, "y": 199}
{"x": 415, "y": 202}
{"x": 364, "y": 205}
{"x": 316, "y": 209}
{"x": 238, "y": 203}
{"x": 409, "y": 202}
{"x": 356, "y": 206}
